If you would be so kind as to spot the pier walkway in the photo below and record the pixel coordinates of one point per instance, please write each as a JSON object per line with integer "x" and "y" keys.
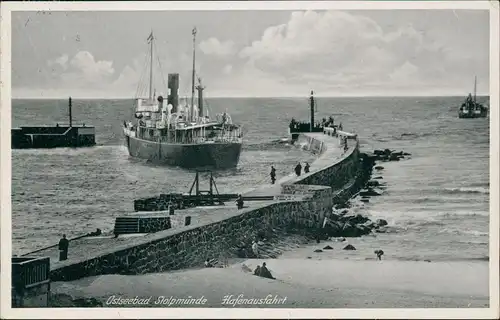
{"x": 89, "y": 247}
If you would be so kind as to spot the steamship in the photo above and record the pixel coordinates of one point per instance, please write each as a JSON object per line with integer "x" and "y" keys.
{"x": 471, "y": 108}
{"x": 167, "y": 132}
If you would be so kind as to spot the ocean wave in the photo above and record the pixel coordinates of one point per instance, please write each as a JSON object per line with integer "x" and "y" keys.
{"x": 444, "y": 259}
{"x": 483, "y": 190}
{"x": 475, "y": 233}
{"x": 411, "y": 135}
{"x": 275, "y": 144}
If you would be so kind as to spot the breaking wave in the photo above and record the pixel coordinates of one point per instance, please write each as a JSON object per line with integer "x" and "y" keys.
{"x": 467, "y": 190}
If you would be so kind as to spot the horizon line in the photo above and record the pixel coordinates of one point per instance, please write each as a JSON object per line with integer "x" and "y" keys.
{"x": 258, "y": 97}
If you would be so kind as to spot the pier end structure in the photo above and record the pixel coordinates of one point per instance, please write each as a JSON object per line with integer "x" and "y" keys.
{"x": 59, "y": 136}
{"x": 299, "y": 202}
{"x": 30, "y": 282}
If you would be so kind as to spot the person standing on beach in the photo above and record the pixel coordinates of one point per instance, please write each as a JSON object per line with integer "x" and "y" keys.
{"x": 298, "y": 169}
{"x": 63, "y": 248}
{"x": 306, "y": 168}
{"x": 273, "y": 175}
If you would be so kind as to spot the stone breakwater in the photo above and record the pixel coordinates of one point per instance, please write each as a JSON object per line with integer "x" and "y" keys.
{"x": 310, "y": 199}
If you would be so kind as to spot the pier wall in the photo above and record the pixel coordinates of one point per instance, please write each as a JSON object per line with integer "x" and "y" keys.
{"x": 190, "y": 246}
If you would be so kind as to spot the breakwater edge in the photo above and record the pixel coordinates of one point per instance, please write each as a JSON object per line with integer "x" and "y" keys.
{"x": 301, "y": 207}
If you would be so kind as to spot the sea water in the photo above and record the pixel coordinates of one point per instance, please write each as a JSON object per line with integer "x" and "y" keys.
{"x": 436, "y": 202}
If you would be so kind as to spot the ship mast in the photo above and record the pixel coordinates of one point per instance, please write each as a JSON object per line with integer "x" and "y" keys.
{"x": 311, "y": 128}
{"x": 475, "y": 88}
{"x": 150, "y": 41}
{"x": 193, "y": 75}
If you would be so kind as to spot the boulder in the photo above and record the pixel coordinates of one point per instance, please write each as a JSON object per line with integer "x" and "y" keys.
{"x": 334, "y": 217}
{"x": 333, "y": 228}
{"x": 381, "y": 222}
{"x": 406, "y": 154}
{"x": 378, "y": 152}
{"x": 379, "y": 168}
{"x": 327, "y": 248}
{"x": 364, "y": 200}
{"x": 349, "y": 247}
{"x": 357, "y": 219}
{"x": 378, "y": 178}
{"x": 394, "y": 157}
{"x": 369, "y": 192}
{"x": 351, "y": 231}
{"x": 318, "y": 250}
{"x": 373, "y": 183}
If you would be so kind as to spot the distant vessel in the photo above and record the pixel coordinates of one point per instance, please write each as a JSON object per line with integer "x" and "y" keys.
{"x": 471, "y": 108}
{"x": 167, "y": 133}
{"x": 58, "y": 136}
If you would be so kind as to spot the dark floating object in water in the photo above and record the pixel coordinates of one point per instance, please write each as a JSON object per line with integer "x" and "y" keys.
{"x": 365, "y": 200}
{"x": 379, "y": 168}
{"x": 349, "y": 247}
{"x": 327, "y": 248}
{"x": 426, "y": 260}
{"x": 318, "y": 250}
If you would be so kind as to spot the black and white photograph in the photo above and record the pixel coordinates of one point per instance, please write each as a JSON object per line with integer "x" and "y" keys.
{"x": 250, "y": 159}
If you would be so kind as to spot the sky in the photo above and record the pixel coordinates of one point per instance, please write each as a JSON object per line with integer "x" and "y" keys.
{"x": 252, "y": 53}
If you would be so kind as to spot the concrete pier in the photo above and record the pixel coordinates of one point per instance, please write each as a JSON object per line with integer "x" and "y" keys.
{"x": 299, "y": 201}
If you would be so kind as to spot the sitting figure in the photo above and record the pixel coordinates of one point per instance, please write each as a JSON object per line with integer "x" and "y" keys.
{"x": 264, "y": 272}
{"x": 257, "y": 271}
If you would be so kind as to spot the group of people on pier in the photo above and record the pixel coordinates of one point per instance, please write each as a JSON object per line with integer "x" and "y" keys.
{"x": 300, "y": 126}
{"x": 298, "y": 171}
{"x": 298, "y": 168}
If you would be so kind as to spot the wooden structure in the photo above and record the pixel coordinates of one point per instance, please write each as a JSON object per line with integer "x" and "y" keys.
{"x": 30, "y": 282}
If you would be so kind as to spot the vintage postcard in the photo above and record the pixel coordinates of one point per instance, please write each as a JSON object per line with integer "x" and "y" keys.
{"x": 250, "y": 159}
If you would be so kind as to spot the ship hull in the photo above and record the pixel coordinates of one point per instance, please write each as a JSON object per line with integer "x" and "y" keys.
{"x": 209, "y": 155}
{"x": 470, "y": 115}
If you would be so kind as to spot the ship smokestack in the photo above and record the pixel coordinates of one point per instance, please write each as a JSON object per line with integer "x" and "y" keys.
{"x": 173, "y": 91}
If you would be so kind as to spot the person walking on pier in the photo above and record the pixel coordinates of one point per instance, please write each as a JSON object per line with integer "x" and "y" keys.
{"x": 239, "y": 202}
{"x": 273, "y": 175}
{"x": 306, "y": 168}
{"x": 63, "y": 248}
{"x": 298, "y": 169}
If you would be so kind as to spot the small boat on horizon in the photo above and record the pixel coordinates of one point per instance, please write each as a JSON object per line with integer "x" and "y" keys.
{"x": 168, "y": 133}
{"x": 470, "y": 108}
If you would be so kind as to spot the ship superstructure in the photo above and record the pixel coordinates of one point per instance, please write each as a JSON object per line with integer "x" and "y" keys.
{"x": 168, "y": 132}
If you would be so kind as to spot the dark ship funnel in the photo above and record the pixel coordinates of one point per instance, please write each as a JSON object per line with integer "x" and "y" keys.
{"x": 173, "y": 91}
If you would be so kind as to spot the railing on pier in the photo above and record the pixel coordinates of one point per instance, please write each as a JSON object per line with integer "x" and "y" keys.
{"x": 29, "y": 272}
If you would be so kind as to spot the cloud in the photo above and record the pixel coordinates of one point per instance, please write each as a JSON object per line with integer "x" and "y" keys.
{"x": 62, "y": 61}
{"x": 213, "y": 46}
{"x": 336, "y": 50}
{"x": 83, "y": 70}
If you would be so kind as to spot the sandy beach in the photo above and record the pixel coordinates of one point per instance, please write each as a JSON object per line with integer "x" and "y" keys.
{"x": 304, "y": 282}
